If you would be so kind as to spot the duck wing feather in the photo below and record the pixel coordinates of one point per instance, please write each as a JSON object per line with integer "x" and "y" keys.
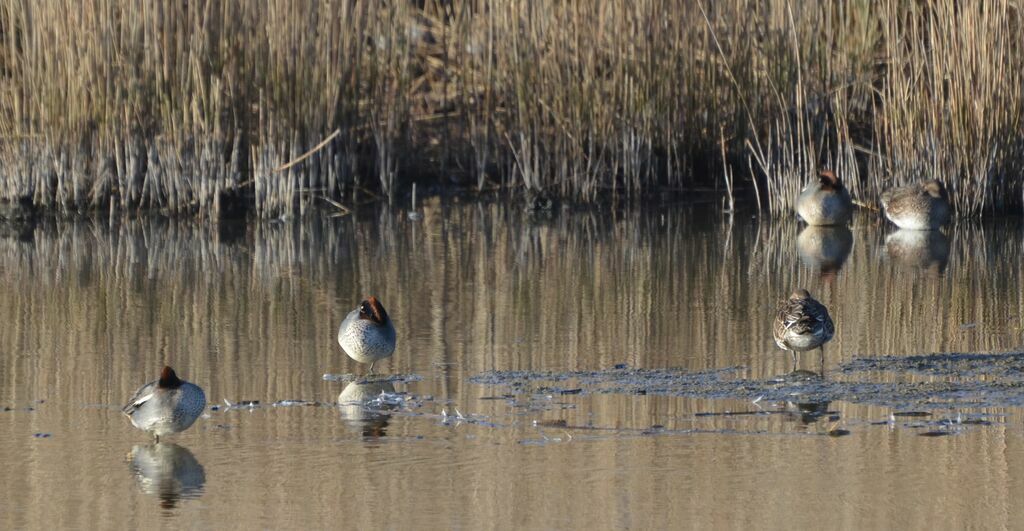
{"x": 141, "y": 397}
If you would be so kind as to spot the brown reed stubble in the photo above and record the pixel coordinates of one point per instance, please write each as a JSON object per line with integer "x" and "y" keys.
{"x": 180, "y": 106}
{"x": 954, "y": 98}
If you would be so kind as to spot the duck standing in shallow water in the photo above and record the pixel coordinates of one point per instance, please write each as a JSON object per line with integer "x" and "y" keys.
{"x": 920, "y": 206}
{"x": 367, "y": 334}
{"x": 825, "y": 201}
{"x": 802, "y": 323}
{"x": 166, "y": 406}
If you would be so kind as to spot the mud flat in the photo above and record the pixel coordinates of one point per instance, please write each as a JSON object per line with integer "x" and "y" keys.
{"x": 956, "y": 380}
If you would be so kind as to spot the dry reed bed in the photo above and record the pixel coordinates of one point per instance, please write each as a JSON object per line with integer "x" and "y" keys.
{"x": 182, "y": 106}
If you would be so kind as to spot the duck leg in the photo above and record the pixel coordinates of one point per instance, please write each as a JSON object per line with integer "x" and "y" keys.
{"x": 821, "y": 360}
{"x": 371, "y": 367}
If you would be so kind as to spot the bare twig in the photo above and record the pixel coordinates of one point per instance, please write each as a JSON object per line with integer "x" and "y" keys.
{"x": 309, "y": 153}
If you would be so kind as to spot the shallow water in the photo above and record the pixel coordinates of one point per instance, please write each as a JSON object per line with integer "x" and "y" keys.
{"x": 570, "y": 302}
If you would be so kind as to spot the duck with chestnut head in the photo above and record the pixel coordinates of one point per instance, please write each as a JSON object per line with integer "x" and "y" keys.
{"x": 825, "y": 201}
{"x": 919, "y": 206}
{"x": 367, "y": 333}
{"x": 165, "y": 406}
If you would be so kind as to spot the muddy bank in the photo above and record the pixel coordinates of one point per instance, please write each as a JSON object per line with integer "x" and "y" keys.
{"x": 1008, "y": 365}
{"x": 863, "y": 380}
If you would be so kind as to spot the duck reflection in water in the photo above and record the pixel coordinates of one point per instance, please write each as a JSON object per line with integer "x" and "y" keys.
{"x": 359, "y": 406}
{"x": 824, "y": 249}
{"x": 167, "y": 471}
{"x": 919, "y": 249}
{"x": 803, "y": 376}
{"x": 806, "y": 413}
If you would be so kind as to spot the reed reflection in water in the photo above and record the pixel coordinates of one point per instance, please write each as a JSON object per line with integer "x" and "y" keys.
{"x": 250, "y": 313}
{"x": 636, "y": 286}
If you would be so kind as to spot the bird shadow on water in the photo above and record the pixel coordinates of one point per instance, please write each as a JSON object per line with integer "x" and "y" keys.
{"x": 167, "y": 471}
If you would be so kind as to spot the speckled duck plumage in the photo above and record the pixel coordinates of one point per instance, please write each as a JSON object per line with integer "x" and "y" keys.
{"x": 165, "y": 406}
{"x": 919, "y": 206}
{"x": 802, "y": 323}
{"x": 367, "y": 334}
{"x": 825, "y": 201}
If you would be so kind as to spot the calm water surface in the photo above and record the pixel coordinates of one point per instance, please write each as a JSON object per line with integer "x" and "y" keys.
{"x": 92, "y": 311}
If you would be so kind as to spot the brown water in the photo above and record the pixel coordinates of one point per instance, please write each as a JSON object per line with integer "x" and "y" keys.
{"x": 250, "y": 313}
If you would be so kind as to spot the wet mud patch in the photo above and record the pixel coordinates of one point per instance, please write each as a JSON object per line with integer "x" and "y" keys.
{"x": 372, "y": 378}
{"x": 1006, "y": 389}
{"x": 617, "y": 380}
{"x": 1007, "y": 366}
